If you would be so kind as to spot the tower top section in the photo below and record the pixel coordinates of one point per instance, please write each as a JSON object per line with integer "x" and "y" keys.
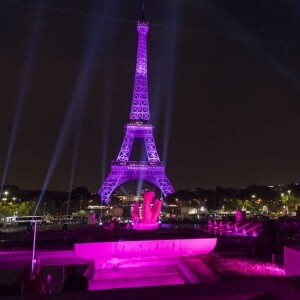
{"x": 142, "y": 27}
{"x": 140, "y": 112}
{"x": 151, "y": 169}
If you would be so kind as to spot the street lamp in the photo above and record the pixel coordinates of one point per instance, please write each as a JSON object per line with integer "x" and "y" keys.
{"x": 80, "y": 202}
{"x": 284, "y": 199}
{"x": 6, "y": 193}
{"x": 4, "y": 199}
{"x": 44, "y": 208}
{"x": 289, "y": 200}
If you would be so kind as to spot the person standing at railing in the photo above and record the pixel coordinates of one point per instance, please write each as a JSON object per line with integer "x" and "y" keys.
{"x": 74, "y": 280}
{"x": 31, "y": 283}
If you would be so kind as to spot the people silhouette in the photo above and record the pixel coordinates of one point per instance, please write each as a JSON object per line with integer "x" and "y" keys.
{"x": 74, "y": 281}
{"x": 31, "y": 282}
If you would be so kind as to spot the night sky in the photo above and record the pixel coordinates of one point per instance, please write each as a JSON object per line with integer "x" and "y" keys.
{"x": 224, "y": 90}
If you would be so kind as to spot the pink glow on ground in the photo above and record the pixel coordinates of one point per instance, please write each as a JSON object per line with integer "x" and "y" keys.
{"x": 243, "y": 266}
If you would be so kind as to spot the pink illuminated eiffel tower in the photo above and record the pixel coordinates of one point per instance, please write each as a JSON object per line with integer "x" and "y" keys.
{"x": 123, "y": 169}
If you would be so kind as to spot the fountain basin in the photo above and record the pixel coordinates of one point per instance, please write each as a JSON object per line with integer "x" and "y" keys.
{"x": 148, "y": 248}
{"x": 141, "y": 263}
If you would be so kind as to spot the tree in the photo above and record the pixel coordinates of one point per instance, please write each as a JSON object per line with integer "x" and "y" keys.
{"x": 26, "y": 208}
{"x": 81, "y": 192}
{"x": 249, "y": 205}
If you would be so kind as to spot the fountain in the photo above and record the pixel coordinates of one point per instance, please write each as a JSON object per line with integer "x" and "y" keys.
{"x": 150, "y": 212}
{"x": 215, "y": 224}
{"x": 244, "y": 232}
{"x": 228, "y": 227}
{"x": 235, "y": 229}
{"x": 129, "y": 263}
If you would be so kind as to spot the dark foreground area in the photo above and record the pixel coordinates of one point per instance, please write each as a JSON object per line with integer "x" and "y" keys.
{"x": 16, "y": 250}
{"x": 238, "y": 289}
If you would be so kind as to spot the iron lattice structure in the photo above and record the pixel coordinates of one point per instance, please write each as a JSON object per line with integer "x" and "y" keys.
{"x": 152, "y": 170}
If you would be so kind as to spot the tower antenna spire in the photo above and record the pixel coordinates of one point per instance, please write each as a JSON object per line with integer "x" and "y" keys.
{"x": 142, "y": 17}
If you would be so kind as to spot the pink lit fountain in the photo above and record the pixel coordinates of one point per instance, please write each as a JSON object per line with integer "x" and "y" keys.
{"x": 150, "y": 212}
{"x": 138, "y": 263}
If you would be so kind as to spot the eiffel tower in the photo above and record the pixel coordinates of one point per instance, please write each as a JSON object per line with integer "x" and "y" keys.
{"x": 151, "y": 170}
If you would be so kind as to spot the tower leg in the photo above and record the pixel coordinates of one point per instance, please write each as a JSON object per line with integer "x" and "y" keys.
{"x": 164, "y": 184}
{"x": 109, "y": 185}
{"x": 121, "y": 174}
